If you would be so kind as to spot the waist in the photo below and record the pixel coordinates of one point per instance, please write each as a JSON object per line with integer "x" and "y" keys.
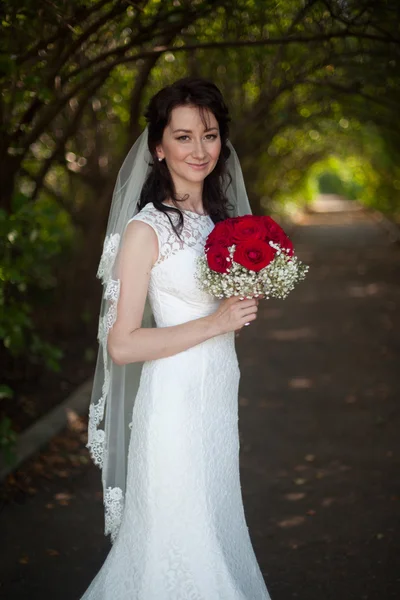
{"x": 166, "y": 317}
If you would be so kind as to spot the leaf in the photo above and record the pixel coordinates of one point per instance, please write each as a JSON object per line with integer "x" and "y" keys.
{"x": 5, "y": 392}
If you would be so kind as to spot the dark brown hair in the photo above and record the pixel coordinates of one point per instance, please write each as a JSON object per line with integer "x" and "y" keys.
{"x": 159, "y": 185}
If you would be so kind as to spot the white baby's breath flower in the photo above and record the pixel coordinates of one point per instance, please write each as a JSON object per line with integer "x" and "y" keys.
{"x": 275, "y": 280}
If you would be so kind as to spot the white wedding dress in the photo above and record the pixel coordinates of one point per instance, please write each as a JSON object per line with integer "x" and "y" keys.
{"x": 183, "y": 534}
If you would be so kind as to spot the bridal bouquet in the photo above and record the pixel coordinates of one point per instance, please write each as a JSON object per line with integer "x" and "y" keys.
{"x": 249, "y": 256}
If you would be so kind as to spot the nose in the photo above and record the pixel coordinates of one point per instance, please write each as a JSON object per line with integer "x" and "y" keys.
{"x": 198, "y": 152}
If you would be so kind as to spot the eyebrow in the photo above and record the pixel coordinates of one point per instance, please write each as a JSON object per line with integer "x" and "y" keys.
{"x": 190, "y": 131}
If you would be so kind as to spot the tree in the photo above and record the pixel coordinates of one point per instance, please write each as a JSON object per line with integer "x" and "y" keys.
{"x": 75, "y": 76}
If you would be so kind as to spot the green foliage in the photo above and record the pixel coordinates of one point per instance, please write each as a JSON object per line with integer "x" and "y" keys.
{"x": 5, "y": 392}
{"x": 279, "y": 94}
{"x": 31, "y": 240}
{"x": 344, "y": 176}
{"x": 312, "y": 91}
{"x": 371, "y": 178}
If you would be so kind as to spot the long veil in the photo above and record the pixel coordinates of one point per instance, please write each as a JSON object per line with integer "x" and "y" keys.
{"x": 115, "y": 387}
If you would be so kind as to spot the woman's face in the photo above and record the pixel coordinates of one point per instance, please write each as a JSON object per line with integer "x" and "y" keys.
{"x": 190, "y": 148}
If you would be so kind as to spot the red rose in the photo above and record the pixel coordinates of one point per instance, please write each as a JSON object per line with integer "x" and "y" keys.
{"x": 286, "y": 244}
{"x": 248, "y": 227}
{"x": 274, "y": 231}
{"x": 221, "y": 234}
{"x": 254, "y": 254}
{"x": 217, "y": 255}
{"x": 236, "y": 230}
{"x": 277, "y": 234}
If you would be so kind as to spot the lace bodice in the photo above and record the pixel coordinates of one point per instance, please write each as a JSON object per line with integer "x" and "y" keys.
{"x": 192, "y": 234}
{"x": 174, "y": 293}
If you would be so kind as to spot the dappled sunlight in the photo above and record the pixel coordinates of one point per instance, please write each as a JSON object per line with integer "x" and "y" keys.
{"x": 308, "y": 298}
{"x": 270, "y": 313}
{"x": 312, "y": 90}
{"x": 300, "y": 383}
{"x": 290, "y": 335}
{"x": 333, "y": 203}
{"x": 332, "y": 219}
{"x": 294, "y": 496}
{"x": 326, "y": 502}
{"x": 75, "y": 422}
{"x": 292, "y": 521}
{"x": 270, "y": 404}
{"x": 364, "y": 291}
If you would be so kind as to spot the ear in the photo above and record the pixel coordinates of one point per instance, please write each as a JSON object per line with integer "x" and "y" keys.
{"x": 160, "y": 152}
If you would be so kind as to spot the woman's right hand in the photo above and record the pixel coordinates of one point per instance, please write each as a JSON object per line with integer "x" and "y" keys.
{"x": 233, "y": 313}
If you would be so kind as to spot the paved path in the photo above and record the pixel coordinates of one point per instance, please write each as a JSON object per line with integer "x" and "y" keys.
{"x": 319, "y": 438}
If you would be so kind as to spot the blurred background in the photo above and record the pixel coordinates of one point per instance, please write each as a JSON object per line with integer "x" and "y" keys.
{"x": 313, "y": 91}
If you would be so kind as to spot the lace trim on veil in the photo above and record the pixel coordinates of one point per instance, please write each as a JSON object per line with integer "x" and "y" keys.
{"x": 113, "y": 496}
{"x": 192, "y": 236}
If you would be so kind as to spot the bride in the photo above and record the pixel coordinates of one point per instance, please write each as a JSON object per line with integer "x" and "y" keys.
{"x": 167, "y": 376}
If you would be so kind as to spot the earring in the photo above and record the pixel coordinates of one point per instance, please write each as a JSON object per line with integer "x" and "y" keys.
{"x": 160, "y": 159}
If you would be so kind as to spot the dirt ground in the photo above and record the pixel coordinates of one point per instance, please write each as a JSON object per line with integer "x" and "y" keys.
{"x": 319, "y": 434}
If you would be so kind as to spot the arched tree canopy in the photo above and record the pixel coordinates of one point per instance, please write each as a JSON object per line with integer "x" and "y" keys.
{"x": 312, "y": 87}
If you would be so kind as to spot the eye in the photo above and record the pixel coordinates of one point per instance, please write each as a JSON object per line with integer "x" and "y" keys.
{"x": 209, "y": 136}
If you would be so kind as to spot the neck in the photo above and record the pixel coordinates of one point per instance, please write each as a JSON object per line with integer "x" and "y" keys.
{"x": 193, "y": 194}
{"x": 193, "y": 201}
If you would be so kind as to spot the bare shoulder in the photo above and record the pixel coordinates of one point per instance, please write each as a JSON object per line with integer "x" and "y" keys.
{"x": 141, "y": 236}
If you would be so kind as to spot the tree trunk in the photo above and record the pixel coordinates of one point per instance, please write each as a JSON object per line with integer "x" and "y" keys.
{"x": 8, "y": 171}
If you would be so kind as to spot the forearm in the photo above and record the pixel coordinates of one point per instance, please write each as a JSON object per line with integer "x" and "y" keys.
{"x": 150, "y": 343}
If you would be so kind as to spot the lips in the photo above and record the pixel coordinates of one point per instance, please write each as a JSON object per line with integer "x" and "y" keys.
{"x": 196, "y": 166}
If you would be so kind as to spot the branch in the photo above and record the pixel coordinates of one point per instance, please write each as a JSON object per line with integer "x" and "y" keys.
{"x": 101, "y": 74}
{"x": 36, "y": 103}
{"x": 146, "y": 34}
{"x": 352, "y": 89}
{"x": 93, "y": 27}
{"x": 104, "y": 72}
{"x": 229, "y": 44}
{"x": 49, "y": 190}
{"x": 140, "y": 84}
{"x": 300, "y": 15}
{"x": 69, "y": 132}
{"x": 157, "y": 51}
{"x": 41, "y": 44}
